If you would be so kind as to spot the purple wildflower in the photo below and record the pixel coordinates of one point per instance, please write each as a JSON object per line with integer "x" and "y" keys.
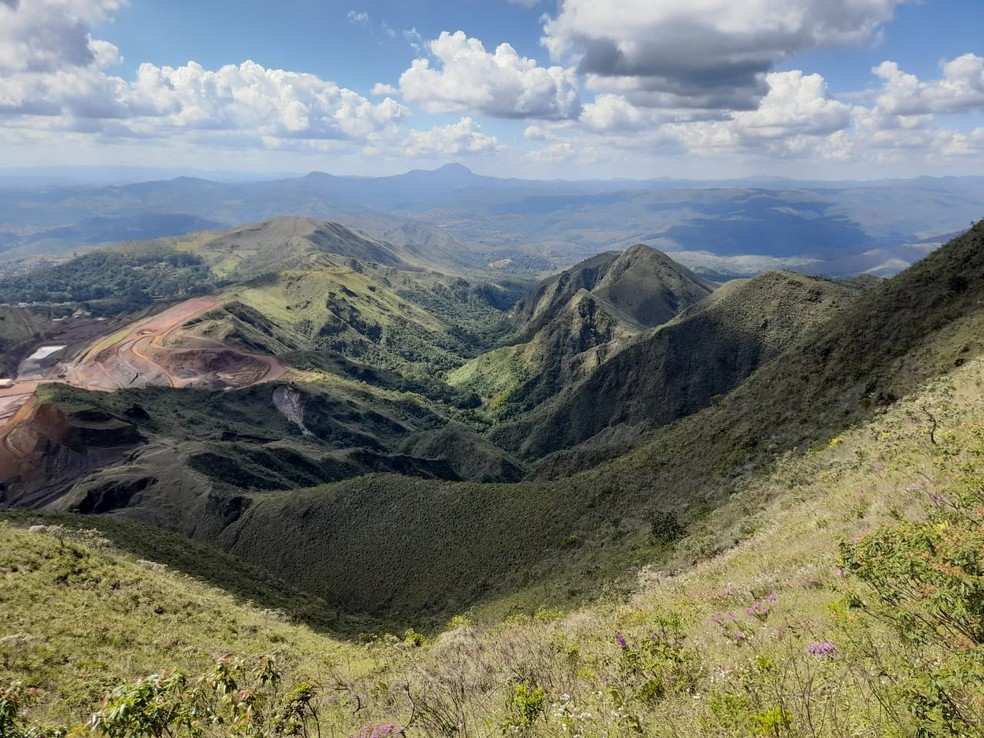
{"x": 620, "y": 640}
{"x": 382, "y": 730}
{"x": 760, "y": 610}
{"x": 821, "y": 650}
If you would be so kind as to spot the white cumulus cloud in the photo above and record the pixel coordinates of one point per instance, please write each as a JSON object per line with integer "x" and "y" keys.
{"x": 796, "y": 104}
{"x": 960, "y": 89}
{"x": 609, "y": 112}
{"x": 703, "y": 54}
{"x": 53, "y": 75}
{"x": 797, "y": 118}
{"x": 463, "y": 137}
{"x": 270, "y": 102}
{"x": 381, "y": 88}
{"x": 501, "y": 84}
{"x": 49, "y": 35}
{"x": 247, "y": 99}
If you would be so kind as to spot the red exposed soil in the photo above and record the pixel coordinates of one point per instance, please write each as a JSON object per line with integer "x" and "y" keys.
{"x": 11, "y": 398}
{"x": 141, "y": 357}
{"x": 44, "y": 448}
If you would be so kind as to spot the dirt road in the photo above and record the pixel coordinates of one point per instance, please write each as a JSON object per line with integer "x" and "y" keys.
{"x": 12, "y": 398}
{"x": 140, "y": 355}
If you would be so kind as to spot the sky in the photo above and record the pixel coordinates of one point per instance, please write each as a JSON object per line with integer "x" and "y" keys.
{"x": 573, "y": 89}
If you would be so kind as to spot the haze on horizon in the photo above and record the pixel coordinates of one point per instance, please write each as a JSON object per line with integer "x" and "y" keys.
{"x": 692, "y": 89}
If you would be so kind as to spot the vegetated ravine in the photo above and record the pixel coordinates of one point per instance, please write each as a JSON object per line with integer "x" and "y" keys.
{"x": 405, "y": 443}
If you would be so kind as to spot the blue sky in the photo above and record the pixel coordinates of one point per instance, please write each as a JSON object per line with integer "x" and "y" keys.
{"x": 575, "y": 88}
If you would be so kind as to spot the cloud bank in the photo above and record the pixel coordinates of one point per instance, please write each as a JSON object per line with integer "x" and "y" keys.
{"x": 501, "y": 84}
{"x": 710, "y": 55}
{"x": 630, "y": 81}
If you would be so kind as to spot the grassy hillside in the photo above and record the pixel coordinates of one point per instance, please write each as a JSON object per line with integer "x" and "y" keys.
{"x": 784, "y": 631}
{"x": 677, "y": 369}
{"x": 516, "y": 379}
{"x": 308, "y": 290}
{"x": 281, "y": 243}
{"x": 80, "y": 617}
{"x": 18, "y": 327}
{"x": 268, "y": 437}
{"x": 641, "y": 282}
{"x": 834, "y": 593}
{"x": 405, "y": 547}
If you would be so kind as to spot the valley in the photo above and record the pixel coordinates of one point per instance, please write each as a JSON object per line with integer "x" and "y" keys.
{"x": 491, "y": 369}
{"x": 379, "y": 441}
{"x": 329, "y": 374}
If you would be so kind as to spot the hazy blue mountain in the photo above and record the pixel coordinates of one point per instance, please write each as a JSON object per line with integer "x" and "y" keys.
{"x": 727, "y": 228}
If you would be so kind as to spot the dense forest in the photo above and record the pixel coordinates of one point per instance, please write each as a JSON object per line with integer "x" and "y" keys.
{"x": 106, "y": 281}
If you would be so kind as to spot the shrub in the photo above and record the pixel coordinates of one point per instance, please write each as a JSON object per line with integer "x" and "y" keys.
{"x": 927, "y": 583}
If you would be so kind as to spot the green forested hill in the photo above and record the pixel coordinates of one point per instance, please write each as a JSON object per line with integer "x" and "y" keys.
{"x": 410, "y": 524}
{"x": 414, "y": 548}
{"x": 831, "y": 594}
{"x": 675, "y": 370}
{"x": 572, "y": 323}
{"x": 113, "y": 281}
{"x": 18, "y": 327}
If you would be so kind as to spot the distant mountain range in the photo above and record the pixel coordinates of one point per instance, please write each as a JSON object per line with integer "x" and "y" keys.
{"x": 728, "y": 228}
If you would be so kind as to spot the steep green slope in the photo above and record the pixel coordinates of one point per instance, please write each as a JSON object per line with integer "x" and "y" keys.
{"x": 641, "y": 282}
{"x": 650, "y": 286}
{"x": 180, "y": 444}
{"x": 677, "y": 369}
{"x": 514, "y": 379}
{"x": 282, "y": 243}
{"x": 79, "y": 617}
{"x": 18, "y": 327}
{"x": 307, "y": 289}
{"x": 575, "y": 321}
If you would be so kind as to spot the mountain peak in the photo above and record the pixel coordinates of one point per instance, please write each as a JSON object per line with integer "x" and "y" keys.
{"x": 454, "y": 168}
{"x": 449, "y": 175}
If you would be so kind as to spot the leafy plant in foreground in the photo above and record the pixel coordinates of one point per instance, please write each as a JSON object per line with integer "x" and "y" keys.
{"x": 927, "y": 580}
{"x": 235, "y": 698}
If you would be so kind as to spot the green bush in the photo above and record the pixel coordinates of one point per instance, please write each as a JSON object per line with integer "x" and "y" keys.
{"x": 927, "y": 584}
